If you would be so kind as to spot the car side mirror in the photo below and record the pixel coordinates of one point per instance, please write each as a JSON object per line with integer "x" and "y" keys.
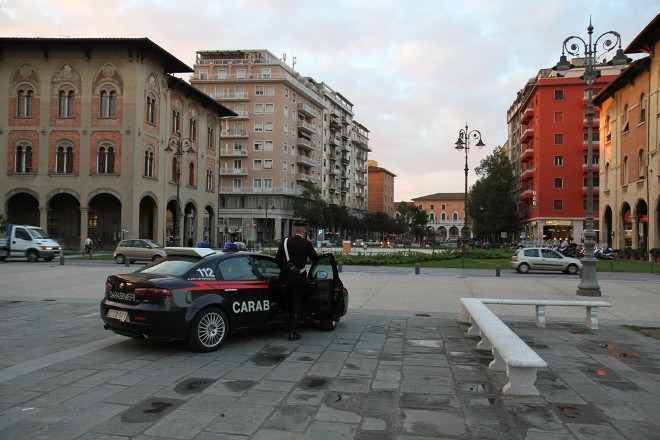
{"x": 321, "y": 275}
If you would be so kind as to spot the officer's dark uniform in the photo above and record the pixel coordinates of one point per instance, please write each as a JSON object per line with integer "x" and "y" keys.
{"x": 300, "y": 249}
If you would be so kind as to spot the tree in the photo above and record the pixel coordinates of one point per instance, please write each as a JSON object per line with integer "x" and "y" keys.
{"x": 309, "y": 206}
{"x": 491, "y": 204}
{"x": 412, "y": 221}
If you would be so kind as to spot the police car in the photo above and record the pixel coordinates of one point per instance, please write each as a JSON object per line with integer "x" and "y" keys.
{"x": 202, "y": 296}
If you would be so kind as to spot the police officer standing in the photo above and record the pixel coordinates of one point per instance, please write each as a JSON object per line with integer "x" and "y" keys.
{"x": 299, "y": 248}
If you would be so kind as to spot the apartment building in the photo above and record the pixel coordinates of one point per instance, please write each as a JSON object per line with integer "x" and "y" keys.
{"x": 290, "y": 130}
{"x": 630, "y": 139}
{"x": 87, "y": 127}
{"x": 446, "y": 214}
{"x": 548, "y": 149}
{"x": 381, "y": 189}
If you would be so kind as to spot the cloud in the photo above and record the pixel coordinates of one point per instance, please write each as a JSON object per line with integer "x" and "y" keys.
{"x": 416, "y": 71}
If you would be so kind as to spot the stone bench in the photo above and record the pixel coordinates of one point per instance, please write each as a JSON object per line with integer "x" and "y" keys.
{"x": 540, "y": 304}
{"x": 510, "y": 353}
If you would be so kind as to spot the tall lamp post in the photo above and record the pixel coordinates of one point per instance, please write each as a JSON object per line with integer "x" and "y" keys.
{"x": 266, "y": 205}
{"x": 463, "y": 143}
{"x": 179, "y": 145}
{"x": 573, "y": 45}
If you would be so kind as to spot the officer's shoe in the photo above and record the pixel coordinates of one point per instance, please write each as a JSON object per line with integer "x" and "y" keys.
{"x": 293, "y": 336}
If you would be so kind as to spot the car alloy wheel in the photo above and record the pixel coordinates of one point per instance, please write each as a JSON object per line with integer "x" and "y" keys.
{"x": 120, "y": 259}
{"x": 572, "y": 269}
{"x": 523, "y": 268}
{"x": 209, "y": 330}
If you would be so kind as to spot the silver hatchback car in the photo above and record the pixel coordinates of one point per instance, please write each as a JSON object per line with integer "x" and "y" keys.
{"x": 139, "y": 249}
{"x": 534, "y": 258}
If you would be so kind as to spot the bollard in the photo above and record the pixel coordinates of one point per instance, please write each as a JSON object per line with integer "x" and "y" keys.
{"x": 339, "y": 265}
{"x": 497, "y": 270}
{"x": 416, "y": 268}
{"x": 61, "y": 259}
{"x": 90, "y": 254}
{"x": 651, "y": 266}
{"x": 127, "y": 262}
{"x": 611, "y": 266}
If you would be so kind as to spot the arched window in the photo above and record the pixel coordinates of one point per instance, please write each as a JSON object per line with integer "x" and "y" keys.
{"x": 625, "y": 118}
{"x": 108, "y": 104}
{"x": 432, "y": 216}
{"x": 105, "y": 159}
{"x": 151, "y": 110}
{"x": 64, "y": 159}
{"x": 443, "y": 216}
{"x": 624, "y": 174}
{"x": 65, "y": 104}
{"x": 455, "y": 216}
{"x": 25, "y": 107}
{"x": 193, "y": 130}
{"x": 607, "y": 176}
{"x": 149, "y": 163}
{"x": 640, "y": 164}
{"x": 210, "y": 140}
{"x": 23, "y": 159}
{"x": 176, "y": 121}
{"x": 191, "y": 174}
{"x": 209, "y": 179}
{"x": 642, "y": 108}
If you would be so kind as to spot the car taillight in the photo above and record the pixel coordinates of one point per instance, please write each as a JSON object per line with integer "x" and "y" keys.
{"x": 152, "y": 291}
{"x": 108, "y": 286}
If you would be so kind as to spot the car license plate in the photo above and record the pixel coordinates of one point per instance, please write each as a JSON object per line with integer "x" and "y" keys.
{"x": 118, "y": 314}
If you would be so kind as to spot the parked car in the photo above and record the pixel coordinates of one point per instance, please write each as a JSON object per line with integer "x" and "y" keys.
{"x": 202, "y": 296}
{"x": 140, "y": 249}
{"x": 534, "y": 258}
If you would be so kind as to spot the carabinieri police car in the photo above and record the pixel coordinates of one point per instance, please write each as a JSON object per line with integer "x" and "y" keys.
{"x": 202, "y": 296}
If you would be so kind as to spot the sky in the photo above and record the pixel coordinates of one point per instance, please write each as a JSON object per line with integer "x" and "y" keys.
{"x": 416, "y": 71}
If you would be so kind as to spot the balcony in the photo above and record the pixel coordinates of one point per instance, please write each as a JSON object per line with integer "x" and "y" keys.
{"x": 306, "y": 144}
{"x": 233, "y": 171}
{"x": 527, "y": 135}
{"x": 527, "y": 195}
{"x": 306, "y": 110}
{"x": 233, "y": 152}
{"x": 527, "y": 174}
{"x": 306, "y": 127}
{"x": 527, "y": 115}
{"x": 235, "y": 96}
{"x": 304, "y": 177}
{"x": 234, "y": 134}
{"x": 306, "y": 161}
{"x": 242, "y": 114}
{"x": 527, "y": 155}
{"x": 595, "y": 143}
{"x": 334, "y": 141}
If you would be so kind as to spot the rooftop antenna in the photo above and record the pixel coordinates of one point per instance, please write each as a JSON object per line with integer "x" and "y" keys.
{"x": 294, "y": 63}
{"x": 284, "y": 58}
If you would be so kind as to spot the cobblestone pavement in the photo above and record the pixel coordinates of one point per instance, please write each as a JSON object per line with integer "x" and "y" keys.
{"x": 382, "y": 374}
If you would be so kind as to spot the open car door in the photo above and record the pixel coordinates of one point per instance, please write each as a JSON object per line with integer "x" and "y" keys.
{"x": 324, "y": 297}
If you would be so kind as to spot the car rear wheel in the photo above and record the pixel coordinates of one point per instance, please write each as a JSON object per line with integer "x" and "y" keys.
{"x": 328, "y": 325}
{"x": 120, "y": 259}
{"x": 209, "y": 330}
{"x": 156, "y": 257}
{"x": 572, "y": 269}
{"x": 523, "y": 268}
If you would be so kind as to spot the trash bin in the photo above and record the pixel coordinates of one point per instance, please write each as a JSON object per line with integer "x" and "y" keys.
{"x": 346, "y": 247}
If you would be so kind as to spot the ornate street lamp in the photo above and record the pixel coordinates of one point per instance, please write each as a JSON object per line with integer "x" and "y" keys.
{"x": 179, "y": 145}
{"x": 573, "y": 45}
{"x": 463, "y": 143}
{"x": 266, "y": 205}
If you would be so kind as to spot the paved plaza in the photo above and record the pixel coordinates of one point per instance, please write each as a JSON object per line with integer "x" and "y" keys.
{"x": 398, "y": 366}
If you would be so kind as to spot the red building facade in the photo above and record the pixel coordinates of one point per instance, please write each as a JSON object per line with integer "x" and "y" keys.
{"x": 552, "y": 157}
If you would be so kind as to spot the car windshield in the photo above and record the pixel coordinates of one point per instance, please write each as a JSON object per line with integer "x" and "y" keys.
{"x": 178, "y": 266}
{"x": 37, "y": 233}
